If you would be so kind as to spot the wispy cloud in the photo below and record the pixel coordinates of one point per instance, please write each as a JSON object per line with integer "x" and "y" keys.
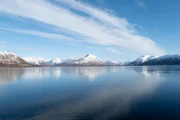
{"x": 113, "y": 50}
{"x": 40, "y": 34}
{"x": 141, "y": 4}
{"x": 95, "y": 25}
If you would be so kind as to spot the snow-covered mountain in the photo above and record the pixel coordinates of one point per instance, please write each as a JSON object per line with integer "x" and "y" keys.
{"x": 88, "y": 60}
{"x": 164, "y": 60}
{"x": 42, "y": 62}
{"x": 124, "y": 63}
{"x": 55, "y": 61}
{"x": 35, "y": 60}
{"x": 11, "y": 59}
{"x": 174, "y": 56}
{"x": 111, "y": 63}
{"x": 143, "y": 59}
{"x": 157, "y": 60}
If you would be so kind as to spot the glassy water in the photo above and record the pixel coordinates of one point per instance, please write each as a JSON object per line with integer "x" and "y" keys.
{"x": 90, "y": 93}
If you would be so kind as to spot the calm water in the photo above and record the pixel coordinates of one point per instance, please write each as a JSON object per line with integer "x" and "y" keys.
{"x": 90, "y": 93}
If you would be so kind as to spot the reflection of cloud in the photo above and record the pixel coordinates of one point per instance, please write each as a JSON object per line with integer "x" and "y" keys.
{"x": 145, "y": 71}
{"x": 92, "y": 72}
{"x": 113, "y": 99}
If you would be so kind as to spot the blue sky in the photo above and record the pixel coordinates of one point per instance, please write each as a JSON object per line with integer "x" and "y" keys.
{"x": 119, "y": 30}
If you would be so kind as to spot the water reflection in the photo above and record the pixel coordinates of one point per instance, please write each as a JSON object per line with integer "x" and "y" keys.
{"x": 90, "y": 72}
{"x": 7, "y": 74}
{"x": 114, "y": 99}
{"x": 13, "y": 74}
{"x": 41, "y": 73}
{"x": 72, "y": 96}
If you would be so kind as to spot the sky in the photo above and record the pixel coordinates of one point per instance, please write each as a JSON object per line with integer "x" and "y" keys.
{"x": 118, "y": 30}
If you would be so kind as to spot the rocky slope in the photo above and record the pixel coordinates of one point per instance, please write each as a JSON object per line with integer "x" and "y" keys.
{"x": 12, "y": 60}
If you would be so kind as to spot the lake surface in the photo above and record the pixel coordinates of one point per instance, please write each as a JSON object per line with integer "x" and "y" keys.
{"x": 90, "y": 93}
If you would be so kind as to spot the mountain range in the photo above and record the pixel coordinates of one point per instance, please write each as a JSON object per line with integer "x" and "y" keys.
{"x": 12, "y": 60}
{"x": 42, "y": 62}
{"x": 88, "y": 60}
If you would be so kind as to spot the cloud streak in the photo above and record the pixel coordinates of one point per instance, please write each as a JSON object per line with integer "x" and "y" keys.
{"x": 141, "y": 4}
{"x": 113, "y": 50}
{"x": 39, "y": 34}
{"x": 94, "y": 25}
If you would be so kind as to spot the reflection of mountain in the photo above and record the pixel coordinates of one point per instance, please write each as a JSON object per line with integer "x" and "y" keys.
{"x": 41, "y": 72}
{"x": 9, "y": 74}
{"x": 112, "y": 100}
{"x": 12, "y": 74}
{"x": 90, "y": 72}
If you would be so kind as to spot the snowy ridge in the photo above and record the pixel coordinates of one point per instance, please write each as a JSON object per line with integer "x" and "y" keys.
{"x": 86, "y": 60}
{"x": 35, "y": 60}
{"x": 145, "y": 58}
{"x": 6, "y": 53}
{"x": 41, "y": 61}
{"x": 158, "y": 60}
{"x": 54, "y": 61}
{"x": 11, "y": 59}
{"x": 124, "y": 63}
{"x": 111, "y": 63}
{"x": 175, "y": 56}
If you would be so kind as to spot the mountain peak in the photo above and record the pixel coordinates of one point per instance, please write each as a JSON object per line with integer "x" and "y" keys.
{"x": 11, "y": 59}
{"x": 90, "y": 55}
{"x": 6, "y": 53}
{"x": 145, "y": 56}
{"x": 55, "y": 61}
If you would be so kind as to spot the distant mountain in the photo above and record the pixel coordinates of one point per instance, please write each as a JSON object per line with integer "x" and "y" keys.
{"x": 157, "y": 60}
{"x": 55, "y": 61}
{"x": 111, "y": 63}
{"x": 88, "y": 60}
{"x": 164, "y": 60}
{"x": 12, "y": 60}
{"x": 143, "y": 59}
{"x": 35, "y": 60}
{"x": 125, "y": 63}
{"x": 42, "y": 62}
